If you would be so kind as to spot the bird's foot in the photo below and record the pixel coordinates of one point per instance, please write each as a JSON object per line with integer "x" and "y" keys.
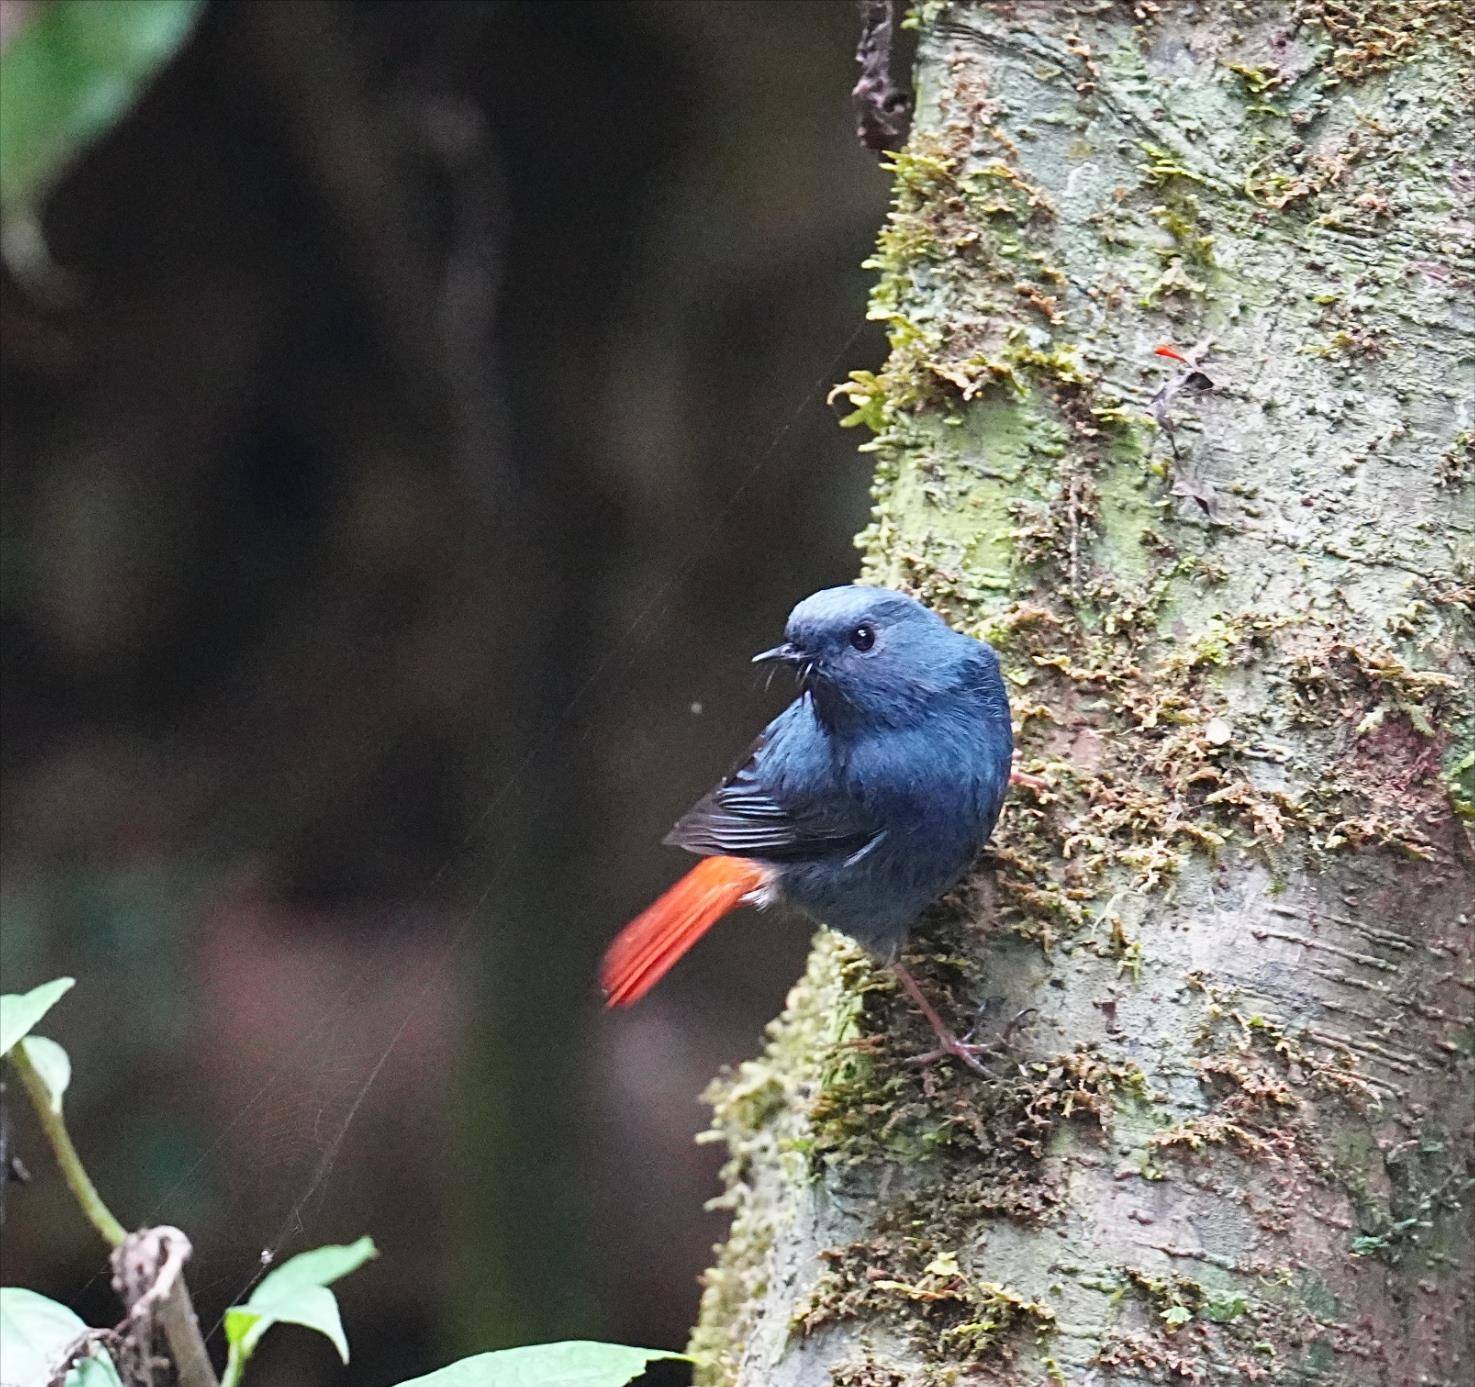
{"x": 950, "y": 1047}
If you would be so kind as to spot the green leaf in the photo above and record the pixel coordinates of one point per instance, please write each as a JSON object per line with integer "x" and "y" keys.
{"x": 73, "y": 68}
{"x": 320, "y": 1266}
{"x": 1224, "y": 1309}
{"x": 313, "y": 1307}
{"x": 297, "y": 1293}
{"x": 574, "y": 1363}
{"x": 97, "y": 1371}
{"x": 51, "y": 1063}
{"x": 20, "y": 1011}
{"x": 34, "y": 1334}
{"x": 1176, "y": 1315}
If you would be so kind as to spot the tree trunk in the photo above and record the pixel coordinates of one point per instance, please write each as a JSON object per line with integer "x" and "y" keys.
{"x": 1231, "y": 1139}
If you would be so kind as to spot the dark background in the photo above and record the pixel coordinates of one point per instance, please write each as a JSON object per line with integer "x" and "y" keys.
{"x": 425, "y": 423}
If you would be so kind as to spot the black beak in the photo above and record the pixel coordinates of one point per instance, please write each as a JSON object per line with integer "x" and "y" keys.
{"x": 786, "y": 653}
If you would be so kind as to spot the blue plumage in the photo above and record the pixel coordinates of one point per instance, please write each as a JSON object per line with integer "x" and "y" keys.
{"x": 873, "y": 791}
{"x": 861, "y": 803}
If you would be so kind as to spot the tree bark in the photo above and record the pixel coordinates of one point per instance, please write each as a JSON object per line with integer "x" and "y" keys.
{"x": 1232, "y": 592}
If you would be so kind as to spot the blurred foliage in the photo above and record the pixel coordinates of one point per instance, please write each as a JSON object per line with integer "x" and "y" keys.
{"x": 574, "y": 1363}
{"x": 20, "y": 1011}
{"x": 295, "y": 1293}
{"x": 74, "y": 68}
{"x": 41, "y": 1339}
{"x": 35, "y": 1332}
{"x": 405, "y": 367}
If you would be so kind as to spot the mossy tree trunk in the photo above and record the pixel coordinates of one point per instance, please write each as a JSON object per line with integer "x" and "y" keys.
{"x": 1232, "y": 593}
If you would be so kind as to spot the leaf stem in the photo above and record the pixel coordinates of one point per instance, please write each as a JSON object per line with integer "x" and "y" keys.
{"x": 72, "y": 1169}
{"x": 235, "y": 1365}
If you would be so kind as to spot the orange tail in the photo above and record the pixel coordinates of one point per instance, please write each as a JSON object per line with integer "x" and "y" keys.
{"x": 648, "y": 947}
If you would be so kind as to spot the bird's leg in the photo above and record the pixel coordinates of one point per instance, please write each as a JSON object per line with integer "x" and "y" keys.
{"x": 1032, "y": 782}
{"x": 947, "y": 1042}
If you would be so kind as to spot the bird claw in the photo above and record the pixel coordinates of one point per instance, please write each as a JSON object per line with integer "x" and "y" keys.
{"x": 1021, "y": 1019}
{"x": 948, "y": 1044}
{"x": 951, "y": 1047}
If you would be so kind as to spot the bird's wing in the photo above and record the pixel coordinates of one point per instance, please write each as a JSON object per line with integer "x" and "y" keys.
{"x": 748, "y": 815}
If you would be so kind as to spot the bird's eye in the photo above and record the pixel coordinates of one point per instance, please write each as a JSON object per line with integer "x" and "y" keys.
{"x": 863, "y": 637}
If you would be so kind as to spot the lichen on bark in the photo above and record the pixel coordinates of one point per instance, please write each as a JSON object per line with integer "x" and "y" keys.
{"x": 1232, "y": 591}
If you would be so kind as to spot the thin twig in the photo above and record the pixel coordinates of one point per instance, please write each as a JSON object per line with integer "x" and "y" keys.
{"x": 72, "y": 1169}
{"x": 149, "y": 1275}
{"x": 148, "y": 1265}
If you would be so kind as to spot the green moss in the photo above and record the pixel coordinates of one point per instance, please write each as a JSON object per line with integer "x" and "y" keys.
{"x": 1460, "y": 782}
{"x": 949, "y": 1314}
{"x": 1430, "y": 1180}
{"x": 1161, "y": 168}
{"x": 867, "y": 1372}
{"x": 996, "y": 1142}
{"x": 1456, "y": 466}
{"x": 1150, "y": 1354}
{"x": 1265, "y": 1085}
{"x": 1176, "y": 1300}
{"x": 1256, "y": 79}
{"x": 925, "y": 14}
{"x": 1371, "y": 36}
{"x": 757, "y": 1115}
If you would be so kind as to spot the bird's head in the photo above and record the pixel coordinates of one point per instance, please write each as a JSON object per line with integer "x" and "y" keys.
{"x": 872, "y": 655}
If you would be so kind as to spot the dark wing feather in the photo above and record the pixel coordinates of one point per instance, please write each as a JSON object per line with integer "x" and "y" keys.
{"x": 743, "y": 817}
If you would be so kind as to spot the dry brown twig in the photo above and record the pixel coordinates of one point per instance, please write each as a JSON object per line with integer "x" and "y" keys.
{"x": 148, "y": 1274}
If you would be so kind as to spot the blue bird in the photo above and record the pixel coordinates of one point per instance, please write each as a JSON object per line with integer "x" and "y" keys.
{"x": 860, "y": 804}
